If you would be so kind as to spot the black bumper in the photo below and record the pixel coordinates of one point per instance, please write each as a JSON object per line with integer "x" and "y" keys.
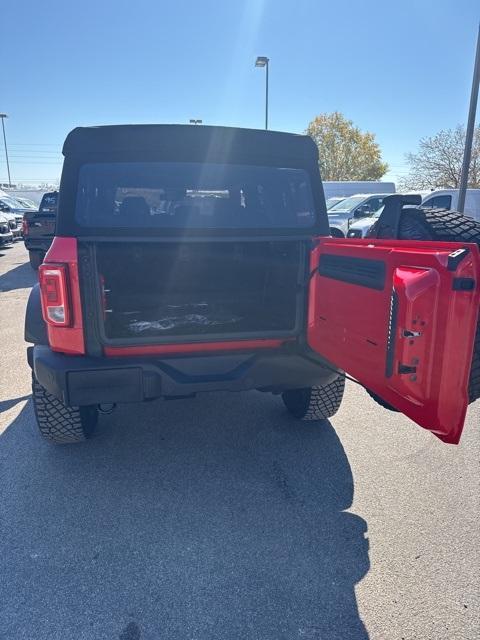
{"x": 84, "y": 380}
{"x": 37, "y": 244}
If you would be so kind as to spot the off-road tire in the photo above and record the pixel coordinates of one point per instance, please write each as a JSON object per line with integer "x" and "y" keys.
{"x": 446, "y": 226}
{"x": 315, "y": 403}
{"x": 36, "y": 259}
{"x": 58, "y": 423}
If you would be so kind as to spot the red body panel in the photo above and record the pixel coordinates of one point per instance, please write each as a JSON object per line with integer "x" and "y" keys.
{"x": 67, "y": 339}
{"x": 349, "y": 324}
{"x": 203, "y": 347}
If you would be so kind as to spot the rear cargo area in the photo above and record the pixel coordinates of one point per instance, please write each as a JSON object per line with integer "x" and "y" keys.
{"x": 172, "y": 290}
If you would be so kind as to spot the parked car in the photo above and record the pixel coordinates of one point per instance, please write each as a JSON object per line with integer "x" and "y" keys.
{"x": 11, "y": 206}
{"x": 13, "y": 222}
{"x": 194, "y": 259}
{"x": 333, "y": 201}
{"x": 344, "y": 213}
{"x": 448, "y": 199}
{"x": 6, "y": 235}
{"x": 26, "y": 202}
{"x": 39, "y": 228}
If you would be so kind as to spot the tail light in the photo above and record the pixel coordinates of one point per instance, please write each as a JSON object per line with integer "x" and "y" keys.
{"x": 60, "y": 295}
{"x": 24, "y": 227}
{"x": 55, "y": 295}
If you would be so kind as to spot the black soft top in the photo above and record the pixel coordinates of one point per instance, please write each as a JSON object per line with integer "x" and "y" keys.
{"x": 195, "y": 142}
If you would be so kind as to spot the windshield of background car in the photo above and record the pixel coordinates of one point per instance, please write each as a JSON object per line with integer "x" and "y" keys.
{"x": 333, "y": 201}
{"x": 10, "y": 202}
{"x": 346, "y": 205}
{"x": 193, "y": 195}
{"x": 27, "y": 203}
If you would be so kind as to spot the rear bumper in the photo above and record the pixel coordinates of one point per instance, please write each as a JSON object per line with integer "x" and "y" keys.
{"x": 84, "y": 380}
{"x": 37, "y": 244}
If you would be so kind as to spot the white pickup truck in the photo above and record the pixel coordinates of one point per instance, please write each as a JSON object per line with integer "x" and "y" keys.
{"x": 346, "y": 212}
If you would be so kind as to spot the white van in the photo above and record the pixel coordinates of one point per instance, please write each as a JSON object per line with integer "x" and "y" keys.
{"x": 346, "y": 188}
{"x": 448, "y": 199}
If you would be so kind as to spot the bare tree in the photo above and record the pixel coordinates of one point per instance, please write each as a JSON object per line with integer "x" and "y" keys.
{"x": 438, "y": 162}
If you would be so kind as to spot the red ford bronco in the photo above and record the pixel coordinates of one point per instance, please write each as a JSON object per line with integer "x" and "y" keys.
{"x": 191, "y": 259}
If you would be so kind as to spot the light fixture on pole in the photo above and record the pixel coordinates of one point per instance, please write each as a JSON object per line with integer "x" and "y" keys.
{"x": 3, "y": 116}
{"x": 193, "y": 121}
{"x": 262, "y": 61}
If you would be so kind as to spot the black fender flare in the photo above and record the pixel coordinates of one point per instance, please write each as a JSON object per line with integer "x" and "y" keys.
{"x": 35, "y": 327}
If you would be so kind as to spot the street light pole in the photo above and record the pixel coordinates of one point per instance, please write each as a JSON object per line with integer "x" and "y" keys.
{"x": 467, "y": 154}
{"x": 266, "y": 95}
{"x": 262, "y": 61}
{"x": 3, "y": 116}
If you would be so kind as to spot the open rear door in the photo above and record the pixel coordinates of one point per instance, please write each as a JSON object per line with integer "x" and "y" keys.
{"x": 400, "y": 317}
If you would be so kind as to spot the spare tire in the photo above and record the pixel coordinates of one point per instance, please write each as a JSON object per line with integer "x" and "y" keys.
{"x": 446, "y": 226}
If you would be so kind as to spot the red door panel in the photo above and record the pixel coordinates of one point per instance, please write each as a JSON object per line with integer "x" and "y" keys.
{"x": 400, "y": 317}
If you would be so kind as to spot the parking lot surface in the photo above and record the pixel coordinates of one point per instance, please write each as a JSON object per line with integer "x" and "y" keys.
{"x": 221, "y": 517}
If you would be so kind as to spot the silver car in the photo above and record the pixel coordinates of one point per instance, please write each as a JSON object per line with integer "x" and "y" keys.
{"x": 348, "y": 211}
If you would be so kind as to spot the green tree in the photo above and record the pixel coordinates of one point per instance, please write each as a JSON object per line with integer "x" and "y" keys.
{"x": 438, "y": 162}
{"x": 345, "y": 152}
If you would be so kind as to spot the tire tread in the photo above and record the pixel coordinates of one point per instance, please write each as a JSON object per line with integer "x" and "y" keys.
{"x": 58, "y": 423}
{"x": 315, "y": 403}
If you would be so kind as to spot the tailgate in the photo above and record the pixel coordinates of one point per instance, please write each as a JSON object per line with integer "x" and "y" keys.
{"x": 41, "y": 225}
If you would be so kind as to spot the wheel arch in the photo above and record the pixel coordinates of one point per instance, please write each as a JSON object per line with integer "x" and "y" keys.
{"x": 35, "y": 327}
{"x": 336, "y": 233}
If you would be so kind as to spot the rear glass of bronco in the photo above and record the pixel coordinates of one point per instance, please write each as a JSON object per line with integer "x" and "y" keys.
{"x": 180, "y": 195}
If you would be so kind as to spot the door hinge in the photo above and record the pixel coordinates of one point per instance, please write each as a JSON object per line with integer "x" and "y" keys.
{"x": 456, "y": 257}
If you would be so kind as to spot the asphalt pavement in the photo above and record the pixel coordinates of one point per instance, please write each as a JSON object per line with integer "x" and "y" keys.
{"x": 221, "y": 517}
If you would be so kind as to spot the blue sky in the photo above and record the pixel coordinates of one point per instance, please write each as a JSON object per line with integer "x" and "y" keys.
{"x": 400, "y": 69}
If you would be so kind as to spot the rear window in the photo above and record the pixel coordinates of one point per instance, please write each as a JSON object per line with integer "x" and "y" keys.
{"x": 49, "y": 203}
{"x": 193, "y": 195}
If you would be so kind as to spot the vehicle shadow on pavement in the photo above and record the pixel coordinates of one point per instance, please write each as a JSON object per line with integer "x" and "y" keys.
{"x": 5, "y": 405}
{"x": 20, "y": 277}
{"x": 214, "y": 518}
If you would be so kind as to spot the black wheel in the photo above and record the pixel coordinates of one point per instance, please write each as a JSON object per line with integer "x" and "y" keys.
{"x": 315, "y": 403}
{"x": 447, "y": 226}
{"x": 36, "y": 259}
{"x": 58, "y": 423}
